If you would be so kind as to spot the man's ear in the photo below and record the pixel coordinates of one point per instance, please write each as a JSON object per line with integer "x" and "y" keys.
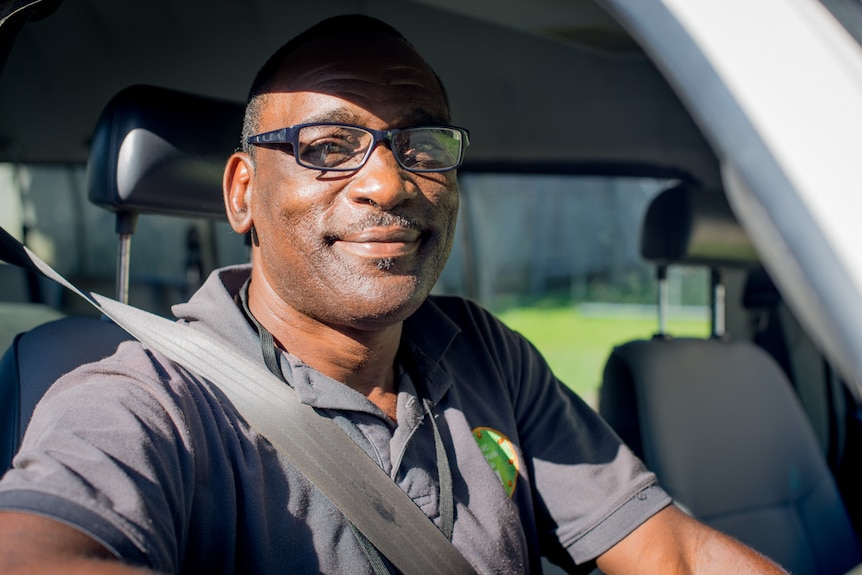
{"x": 237, "y": 185}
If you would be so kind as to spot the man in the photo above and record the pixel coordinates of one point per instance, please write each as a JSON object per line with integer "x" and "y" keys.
{"x": 347, "y": 187}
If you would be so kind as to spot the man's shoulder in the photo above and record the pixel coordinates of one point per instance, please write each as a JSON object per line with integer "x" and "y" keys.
{"x": 445, "y": 319}
{"x": 456, "y": 307}
{"x": 132, "y": 366}
{"x": 464, "y": 312}
{"x": 455, "y": 313}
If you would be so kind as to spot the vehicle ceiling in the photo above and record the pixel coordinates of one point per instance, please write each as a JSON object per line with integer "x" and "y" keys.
{"x": 542, "y": 85}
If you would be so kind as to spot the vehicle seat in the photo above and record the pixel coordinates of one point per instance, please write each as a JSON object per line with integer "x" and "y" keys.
{"x": 154, "y": 151}
{"x": 717, "y": 420}
{"x": 39, "y": 357}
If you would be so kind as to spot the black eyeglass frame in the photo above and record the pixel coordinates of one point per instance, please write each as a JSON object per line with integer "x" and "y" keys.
{"x": 290, "y": 135}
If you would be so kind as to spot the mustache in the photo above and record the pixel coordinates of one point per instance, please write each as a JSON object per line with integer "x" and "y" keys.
{"x": 380, "y": 220}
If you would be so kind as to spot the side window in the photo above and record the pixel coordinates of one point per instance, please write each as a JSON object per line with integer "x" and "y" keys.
{"x": 47, "y": 207}
{"x": 557, "y": 257}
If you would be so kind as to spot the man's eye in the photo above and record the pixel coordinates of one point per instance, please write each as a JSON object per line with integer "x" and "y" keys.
{"x": 329, "y": 153}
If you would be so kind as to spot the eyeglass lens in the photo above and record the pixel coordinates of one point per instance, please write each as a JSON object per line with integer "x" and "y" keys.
{"x": 345, "y": 147}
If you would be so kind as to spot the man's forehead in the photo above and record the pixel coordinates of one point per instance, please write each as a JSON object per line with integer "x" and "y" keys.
{"x": 302, "y": 107}
{"x": 389, "y": 87}
{"x": 323, "y": 71}
{"x": 333, "y": 64}
{"x": 344, "y": 78}
{"x": 344, "y": 115}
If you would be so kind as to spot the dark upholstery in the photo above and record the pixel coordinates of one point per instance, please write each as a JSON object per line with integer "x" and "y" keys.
{"x": 719, "y": 423}
{"x": 761, "y": 298}
{"x": 686, "y": 225}
{"x": 154, "y": 151}
{"x": 39, "y": 357}
{"x": 160, "y": 151}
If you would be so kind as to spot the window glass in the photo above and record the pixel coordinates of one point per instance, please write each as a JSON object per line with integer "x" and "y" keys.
{"x": 47, "y": 206}
{"x": 557, "y": 258}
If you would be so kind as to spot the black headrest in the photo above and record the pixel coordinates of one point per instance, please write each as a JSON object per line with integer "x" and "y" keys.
{"x": 690, "y": 226}
{"x": 161, "y": 151}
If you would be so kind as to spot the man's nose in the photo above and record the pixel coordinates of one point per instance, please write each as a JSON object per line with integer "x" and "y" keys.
{"x": 381, "y": 181}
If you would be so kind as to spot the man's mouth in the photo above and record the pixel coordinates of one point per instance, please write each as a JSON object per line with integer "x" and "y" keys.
{"x": 380, "y": 242}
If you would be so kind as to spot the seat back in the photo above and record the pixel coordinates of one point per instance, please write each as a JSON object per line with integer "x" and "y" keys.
{"x": 154, "y": 151}
{"x": 39, "y": 357}
{"x": 719, "y": 423}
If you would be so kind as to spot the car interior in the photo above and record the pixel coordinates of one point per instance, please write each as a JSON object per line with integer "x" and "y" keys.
{"x": 762, "y": 478}
{"x": 751, "y": 429}
{"x": 155, "y": 151}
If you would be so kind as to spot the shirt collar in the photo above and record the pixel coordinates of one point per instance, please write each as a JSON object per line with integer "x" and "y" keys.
{"x": 428, "y": 333}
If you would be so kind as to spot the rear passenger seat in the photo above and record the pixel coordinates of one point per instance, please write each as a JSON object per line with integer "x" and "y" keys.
{"x": 18, "y": 313}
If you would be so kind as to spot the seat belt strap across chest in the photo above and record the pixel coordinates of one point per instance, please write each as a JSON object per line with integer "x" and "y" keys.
{"x": 315, "y": 445}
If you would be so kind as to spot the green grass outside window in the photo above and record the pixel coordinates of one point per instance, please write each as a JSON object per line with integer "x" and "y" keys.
{"x": 577, "y": 344}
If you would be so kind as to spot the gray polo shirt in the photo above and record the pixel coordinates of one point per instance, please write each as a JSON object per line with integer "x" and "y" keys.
{"x": 155, "y": 463}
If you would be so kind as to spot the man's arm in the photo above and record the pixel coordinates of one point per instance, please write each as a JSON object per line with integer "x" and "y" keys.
{"x": 671, "y": 542}
{"x": 30, "y": 544}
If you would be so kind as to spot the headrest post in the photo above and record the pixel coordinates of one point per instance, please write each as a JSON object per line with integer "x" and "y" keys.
{"x": 663, "y": 298}
{"x": 719, "y": 303}
{"x": 687, "y": 225}
{"x": 125, "y": 226}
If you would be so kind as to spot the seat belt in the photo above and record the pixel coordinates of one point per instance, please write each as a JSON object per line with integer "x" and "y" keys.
{"x": 315, "y": 445}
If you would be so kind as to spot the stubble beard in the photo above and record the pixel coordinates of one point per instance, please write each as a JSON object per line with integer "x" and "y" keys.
{"x": 385, "y": 264}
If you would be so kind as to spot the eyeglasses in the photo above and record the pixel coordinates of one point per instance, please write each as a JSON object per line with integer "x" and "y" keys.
{"x": 346, "y": 148}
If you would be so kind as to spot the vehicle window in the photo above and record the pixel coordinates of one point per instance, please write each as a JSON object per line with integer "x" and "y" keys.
{"x": 557, "y": 257}
{"x": 47, "y": 206}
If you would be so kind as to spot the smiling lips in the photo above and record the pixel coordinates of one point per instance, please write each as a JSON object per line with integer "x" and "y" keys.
{"x": 380, "y": 242}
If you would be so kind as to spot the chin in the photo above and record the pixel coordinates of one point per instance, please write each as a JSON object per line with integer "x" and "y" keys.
{"x": 385, "y": 264}
{"x": 381, "y": 306}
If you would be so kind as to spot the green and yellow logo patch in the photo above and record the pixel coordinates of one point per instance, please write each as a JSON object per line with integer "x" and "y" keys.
{"x": 500, "y": 454}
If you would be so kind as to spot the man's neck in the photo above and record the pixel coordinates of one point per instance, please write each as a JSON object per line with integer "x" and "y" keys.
{"x": 361, "y": 359}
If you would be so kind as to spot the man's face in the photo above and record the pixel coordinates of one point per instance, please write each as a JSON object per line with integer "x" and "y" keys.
{"x": 357, "y": 249}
